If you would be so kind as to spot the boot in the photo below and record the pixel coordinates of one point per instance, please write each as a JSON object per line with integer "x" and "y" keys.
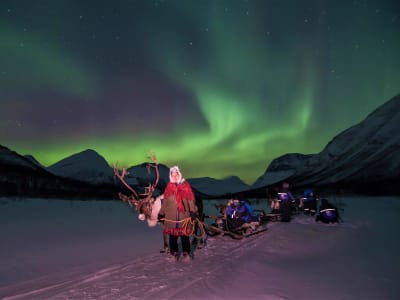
{"x": 164, "y": 250}
{"x": 173, "y": 257}
{"x": 186, "y": 257}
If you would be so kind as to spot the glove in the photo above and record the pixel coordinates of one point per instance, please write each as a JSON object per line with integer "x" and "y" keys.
{"x": 160, "y": 217}
{"x": 193, "y": 215}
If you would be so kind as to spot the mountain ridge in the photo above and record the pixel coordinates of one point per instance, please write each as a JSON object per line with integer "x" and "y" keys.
{"x": 364, "y": 155}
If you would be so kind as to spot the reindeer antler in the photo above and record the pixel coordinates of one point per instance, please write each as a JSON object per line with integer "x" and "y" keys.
{"x": 136, "y": 198}
{"x": 121, "y": 178}
{"x": 150, "y": 189}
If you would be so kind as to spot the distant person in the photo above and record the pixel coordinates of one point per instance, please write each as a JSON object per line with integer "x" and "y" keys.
{"x": 272, "y": 195}
{"x": 328, "y": 213}
{"x": 178, "y": 205}
{"x": 285, "y": 201}
{"x": 309, "y": 202}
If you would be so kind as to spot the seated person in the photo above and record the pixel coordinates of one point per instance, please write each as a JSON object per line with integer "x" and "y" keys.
{"x": 328, "y": 213}
{"x": 247, "y": 203}
{"x": 237, "y": 214}
{"x": 309, "y": 202}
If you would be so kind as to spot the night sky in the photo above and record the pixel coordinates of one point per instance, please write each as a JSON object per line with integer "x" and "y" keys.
{"x": 217, "y": 87}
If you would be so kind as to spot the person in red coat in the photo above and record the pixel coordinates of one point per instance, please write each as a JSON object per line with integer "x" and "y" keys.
{"x": 177, "y": 207}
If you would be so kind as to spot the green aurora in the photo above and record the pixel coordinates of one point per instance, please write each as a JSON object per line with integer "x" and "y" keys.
{"x": 219, "y": 88}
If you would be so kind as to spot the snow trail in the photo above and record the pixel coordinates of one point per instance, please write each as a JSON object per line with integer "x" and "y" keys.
{"x": 302, "y": 260}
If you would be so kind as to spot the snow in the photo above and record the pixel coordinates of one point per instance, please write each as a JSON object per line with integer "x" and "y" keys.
{"x": 87, "y": 166}
{"x": 57, "y": 249}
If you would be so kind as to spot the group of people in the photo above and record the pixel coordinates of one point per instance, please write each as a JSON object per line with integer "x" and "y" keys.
{"x": 238, "y": 210}
{"x": 284, "y": 204}
{"x": 179, "y": 206}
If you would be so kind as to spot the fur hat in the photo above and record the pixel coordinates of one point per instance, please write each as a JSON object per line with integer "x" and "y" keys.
{"x": 175, "y": 169}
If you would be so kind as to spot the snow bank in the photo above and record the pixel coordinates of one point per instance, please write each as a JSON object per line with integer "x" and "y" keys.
{"x": 356, "y": 259}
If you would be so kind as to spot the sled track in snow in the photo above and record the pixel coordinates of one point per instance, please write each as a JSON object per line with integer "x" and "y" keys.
{"x": 131, "y": 279}
{"x": 151, "y": 276}
{"x": 47, "y": 291}
{"x": 203, "y": 277}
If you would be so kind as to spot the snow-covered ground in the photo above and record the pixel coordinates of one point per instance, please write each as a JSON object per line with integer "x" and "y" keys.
{"x": 57, "y": 249}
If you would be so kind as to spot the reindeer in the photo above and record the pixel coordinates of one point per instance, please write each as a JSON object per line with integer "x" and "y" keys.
{"x": 145, "y": 204}
{"x": 199, "y": 238}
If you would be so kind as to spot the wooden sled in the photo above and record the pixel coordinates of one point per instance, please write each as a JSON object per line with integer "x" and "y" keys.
{"x": 221, "y": 228}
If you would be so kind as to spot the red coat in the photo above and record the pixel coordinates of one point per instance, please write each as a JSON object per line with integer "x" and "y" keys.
{"x": 177, "y": 204}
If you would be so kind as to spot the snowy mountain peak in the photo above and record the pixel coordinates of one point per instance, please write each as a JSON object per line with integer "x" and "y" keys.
{"x": 364, "y": 157}
{"x": 11, "y": 158}
{"x": 87, "y": 166}
{"x": 377, "y": 130}
{"x": 290, "y": 161}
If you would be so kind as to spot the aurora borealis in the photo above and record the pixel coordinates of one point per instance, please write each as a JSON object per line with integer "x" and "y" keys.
{"x": 218, "y": 87}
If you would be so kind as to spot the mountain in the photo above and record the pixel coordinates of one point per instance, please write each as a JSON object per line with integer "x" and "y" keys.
{"x": 218, "y": 188}
{"x": 10, "y": 161}
{"x": 140, "y": 176}
{"x": 364, "y": 158}
{"x": 271, "y": 178}
{"x": 24, "y": 176}
{"x": 87, "y": 166}
{"x": 34, "y": 160}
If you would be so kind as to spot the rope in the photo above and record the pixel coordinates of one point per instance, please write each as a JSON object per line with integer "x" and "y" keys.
{"x": 189, "y": 223}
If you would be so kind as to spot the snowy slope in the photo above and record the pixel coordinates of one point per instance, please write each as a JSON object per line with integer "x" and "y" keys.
{"x": 11, "y": 158}
{"x": 272, "y": 177}
{"x": 365, "y": 154}
{"x": 87, "y": 166}
{"x": 357, "y": 259}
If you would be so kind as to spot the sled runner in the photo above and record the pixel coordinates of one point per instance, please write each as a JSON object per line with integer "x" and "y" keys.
{"x": 273, "y": 217}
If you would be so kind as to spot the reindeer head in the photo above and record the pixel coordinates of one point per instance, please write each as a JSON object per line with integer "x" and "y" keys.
{"x": 143, "y": 203}
{"x": 149, "y": 209}
{"x": 144, "y": 208}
